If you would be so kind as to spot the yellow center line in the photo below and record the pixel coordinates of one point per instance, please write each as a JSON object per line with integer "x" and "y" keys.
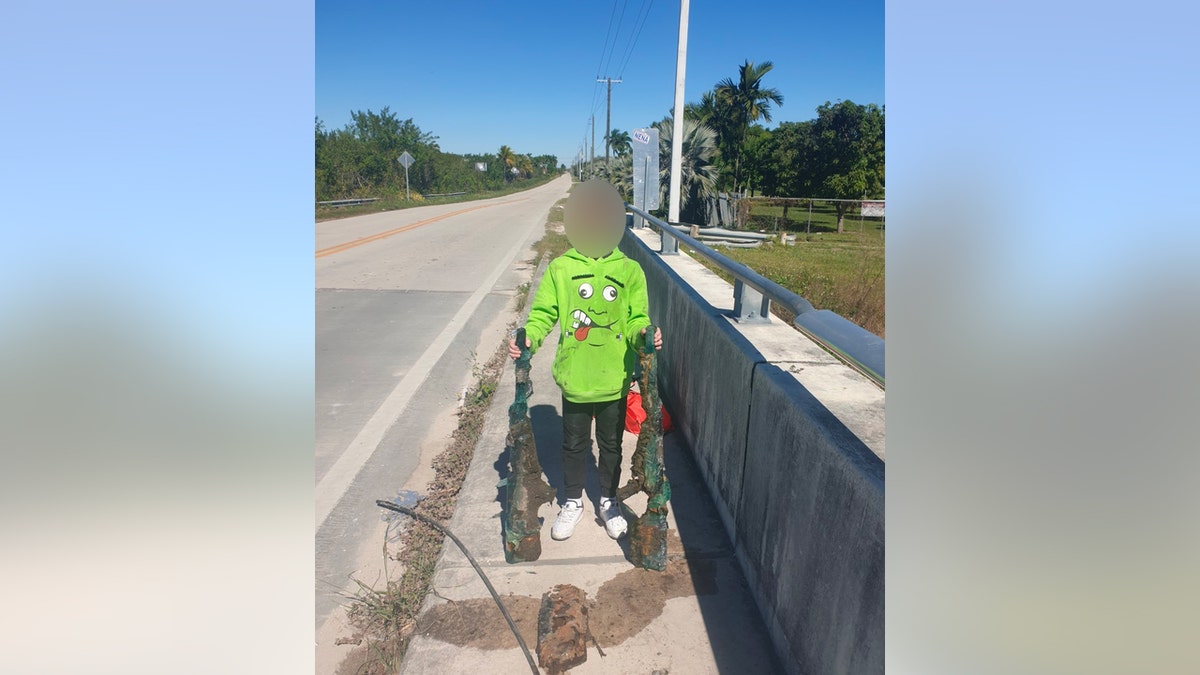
{"x": 376, "y": 237}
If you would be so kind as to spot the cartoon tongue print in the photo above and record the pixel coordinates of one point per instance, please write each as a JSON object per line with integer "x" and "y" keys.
{"x": 583, "y": 324}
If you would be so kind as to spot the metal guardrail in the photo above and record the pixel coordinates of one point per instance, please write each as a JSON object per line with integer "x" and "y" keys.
{"x": 348, "y": 202}
{"x": 366, "y": 200}
{"x": 752, "y": 296}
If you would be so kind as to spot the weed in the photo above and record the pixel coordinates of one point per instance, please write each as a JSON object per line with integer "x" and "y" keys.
{"x": 555, "y": 241}
{"x": 384, "y": 618}
{"x": 522, "y": 296}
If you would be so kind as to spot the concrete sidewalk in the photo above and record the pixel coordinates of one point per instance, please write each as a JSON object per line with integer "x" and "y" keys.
{"x": 696, "y": 617}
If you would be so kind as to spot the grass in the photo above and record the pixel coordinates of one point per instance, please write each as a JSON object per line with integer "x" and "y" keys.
{"x": 768, "y": 217}
{"x": 393, "y": 203}
{"x": 843, "y": 273}
{"x": 555, "y": 241}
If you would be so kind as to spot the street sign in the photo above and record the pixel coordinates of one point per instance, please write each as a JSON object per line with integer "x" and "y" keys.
{"x": 645, "y": 169}
{"x": 407, "y": 160}
{"x": 872, "y": 209}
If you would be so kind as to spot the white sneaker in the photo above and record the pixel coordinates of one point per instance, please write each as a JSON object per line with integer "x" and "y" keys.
{"x": 568, "y": 516}
{"x": 614, "y": 522}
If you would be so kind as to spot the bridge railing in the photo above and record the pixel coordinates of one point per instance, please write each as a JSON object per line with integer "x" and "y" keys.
{"x": 753, "y": 294}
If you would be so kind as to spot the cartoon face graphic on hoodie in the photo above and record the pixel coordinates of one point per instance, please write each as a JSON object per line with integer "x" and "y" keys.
{"x": 601, "y": 306}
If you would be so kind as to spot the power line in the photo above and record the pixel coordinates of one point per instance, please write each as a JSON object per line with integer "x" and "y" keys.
{"x": 647, "y": 4}
{"x": 606, "y": 34}
{"x": 615, "y": 36}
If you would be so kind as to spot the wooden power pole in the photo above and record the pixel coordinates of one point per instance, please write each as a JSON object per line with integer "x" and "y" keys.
{"x": 608, "y": 118}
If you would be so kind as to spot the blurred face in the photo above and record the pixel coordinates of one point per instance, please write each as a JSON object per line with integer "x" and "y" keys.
{"x": 594, "y": 218}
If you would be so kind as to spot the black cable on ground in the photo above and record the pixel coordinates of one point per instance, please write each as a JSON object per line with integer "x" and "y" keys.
{"x": 392, "y": 506}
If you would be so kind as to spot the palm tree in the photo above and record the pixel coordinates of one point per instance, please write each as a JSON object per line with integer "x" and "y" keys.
{"x": 620, "y": 142}
{"x": 698, "y": 179}
{"x": 525, "y": 165}
{"x": 621, "y": 175}
{"x": 748, "y": 101}
{"x": 507, "y": 159}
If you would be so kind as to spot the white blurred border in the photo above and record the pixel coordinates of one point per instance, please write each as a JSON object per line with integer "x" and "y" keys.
{"x": 1043, "y": 311}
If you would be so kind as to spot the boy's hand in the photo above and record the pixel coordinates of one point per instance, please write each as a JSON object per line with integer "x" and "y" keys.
{"x": 657, "y": 337}
{"x": 514, "y": 351}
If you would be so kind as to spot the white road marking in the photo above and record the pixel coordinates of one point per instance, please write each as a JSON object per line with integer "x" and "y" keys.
{"x": 343, "y": 472}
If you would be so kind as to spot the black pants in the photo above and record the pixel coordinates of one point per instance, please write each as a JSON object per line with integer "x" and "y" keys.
{"x": 577, "y": 436}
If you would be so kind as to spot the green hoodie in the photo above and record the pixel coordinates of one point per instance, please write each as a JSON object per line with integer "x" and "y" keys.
{"x": 602, "y": 308}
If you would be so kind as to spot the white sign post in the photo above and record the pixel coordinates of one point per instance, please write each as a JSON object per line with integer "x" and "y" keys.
{"x": 645, "y": 170}
{"x": 407, "y": 160}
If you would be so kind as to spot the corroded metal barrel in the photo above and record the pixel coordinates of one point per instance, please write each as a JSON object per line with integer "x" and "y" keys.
{"x": 648, "y": 532}
{"x": 527, "y": 488}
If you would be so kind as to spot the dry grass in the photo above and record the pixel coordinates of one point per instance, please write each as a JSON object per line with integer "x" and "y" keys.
{"x": 555, "y": 241}
{"x": 384, "y": 618}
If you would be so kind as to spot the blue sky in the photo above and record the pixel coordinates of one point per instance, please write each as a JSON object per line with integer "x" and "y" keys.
{"x": 480, "y": 74}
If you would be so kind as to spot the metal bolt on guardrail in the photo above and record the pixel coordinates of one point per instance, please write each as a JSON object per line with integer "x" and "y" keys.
{"x": 753, "y": 294}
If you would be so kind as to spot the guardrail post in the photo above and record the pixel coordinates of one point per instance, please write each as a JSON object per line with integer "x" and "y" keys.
{"x": 670, "y": 245}
{"x": 750, "y": 306}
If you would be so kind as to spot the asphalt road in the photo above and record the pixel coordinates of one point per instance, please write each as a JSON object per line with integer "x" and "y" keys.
{"x": 403, "y": 300}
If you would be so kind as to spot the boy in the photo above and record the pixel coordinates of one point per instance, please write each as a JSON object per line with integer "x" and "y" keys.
{"x": 601, "y": 294}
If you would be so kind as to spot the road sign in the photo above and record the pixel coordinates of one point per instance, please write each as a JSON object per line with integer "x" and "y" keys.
{"x": 645, "y": 169}
{"x": 872, "y": 209}
{"x": 407, "y": 160}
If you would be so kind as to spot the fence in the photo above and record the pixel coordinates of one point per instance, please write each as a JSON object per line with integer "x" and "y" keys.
{"x": 799, "y": 493}
{"x": 753, "y": 294}
{"x": 813, "y": 215}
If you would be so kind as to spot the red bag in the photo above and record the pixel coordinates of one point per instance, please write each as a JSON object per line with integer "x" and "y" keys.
{"x": 634, "y": 415}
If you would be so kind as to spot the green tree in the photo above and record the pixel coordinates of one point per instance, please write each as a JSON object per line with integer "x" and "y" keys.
{"x": 756, "y": 151}
{"x": 716, "y": 114}
{"x": 507, "y": 159}
{"x": 621, "y": 176}
{"x": 382, "y": 137}
{"x": 360, "y": 158}
{"x": 847, "y": 158}
{"x": 620, "y": 142}
{"x": 746, "y": 101}
{"x": 698, "y": 175}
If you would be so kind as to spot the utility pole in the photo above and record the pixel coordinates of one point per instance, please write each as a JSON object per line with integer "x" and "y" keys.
{"x": 677, "y": 122}
{"x": 608, "y": 118}
{"x": 592, "y": 163}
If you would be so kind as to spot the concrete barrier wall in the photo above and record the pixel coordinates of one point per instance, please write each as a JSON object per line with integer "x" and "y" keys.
{"x": 800, "y": 495}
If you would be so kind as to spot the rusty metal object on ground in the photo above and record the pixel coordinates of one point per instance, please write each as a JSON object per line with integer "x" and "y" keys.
{"x": 562, "y": 629}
